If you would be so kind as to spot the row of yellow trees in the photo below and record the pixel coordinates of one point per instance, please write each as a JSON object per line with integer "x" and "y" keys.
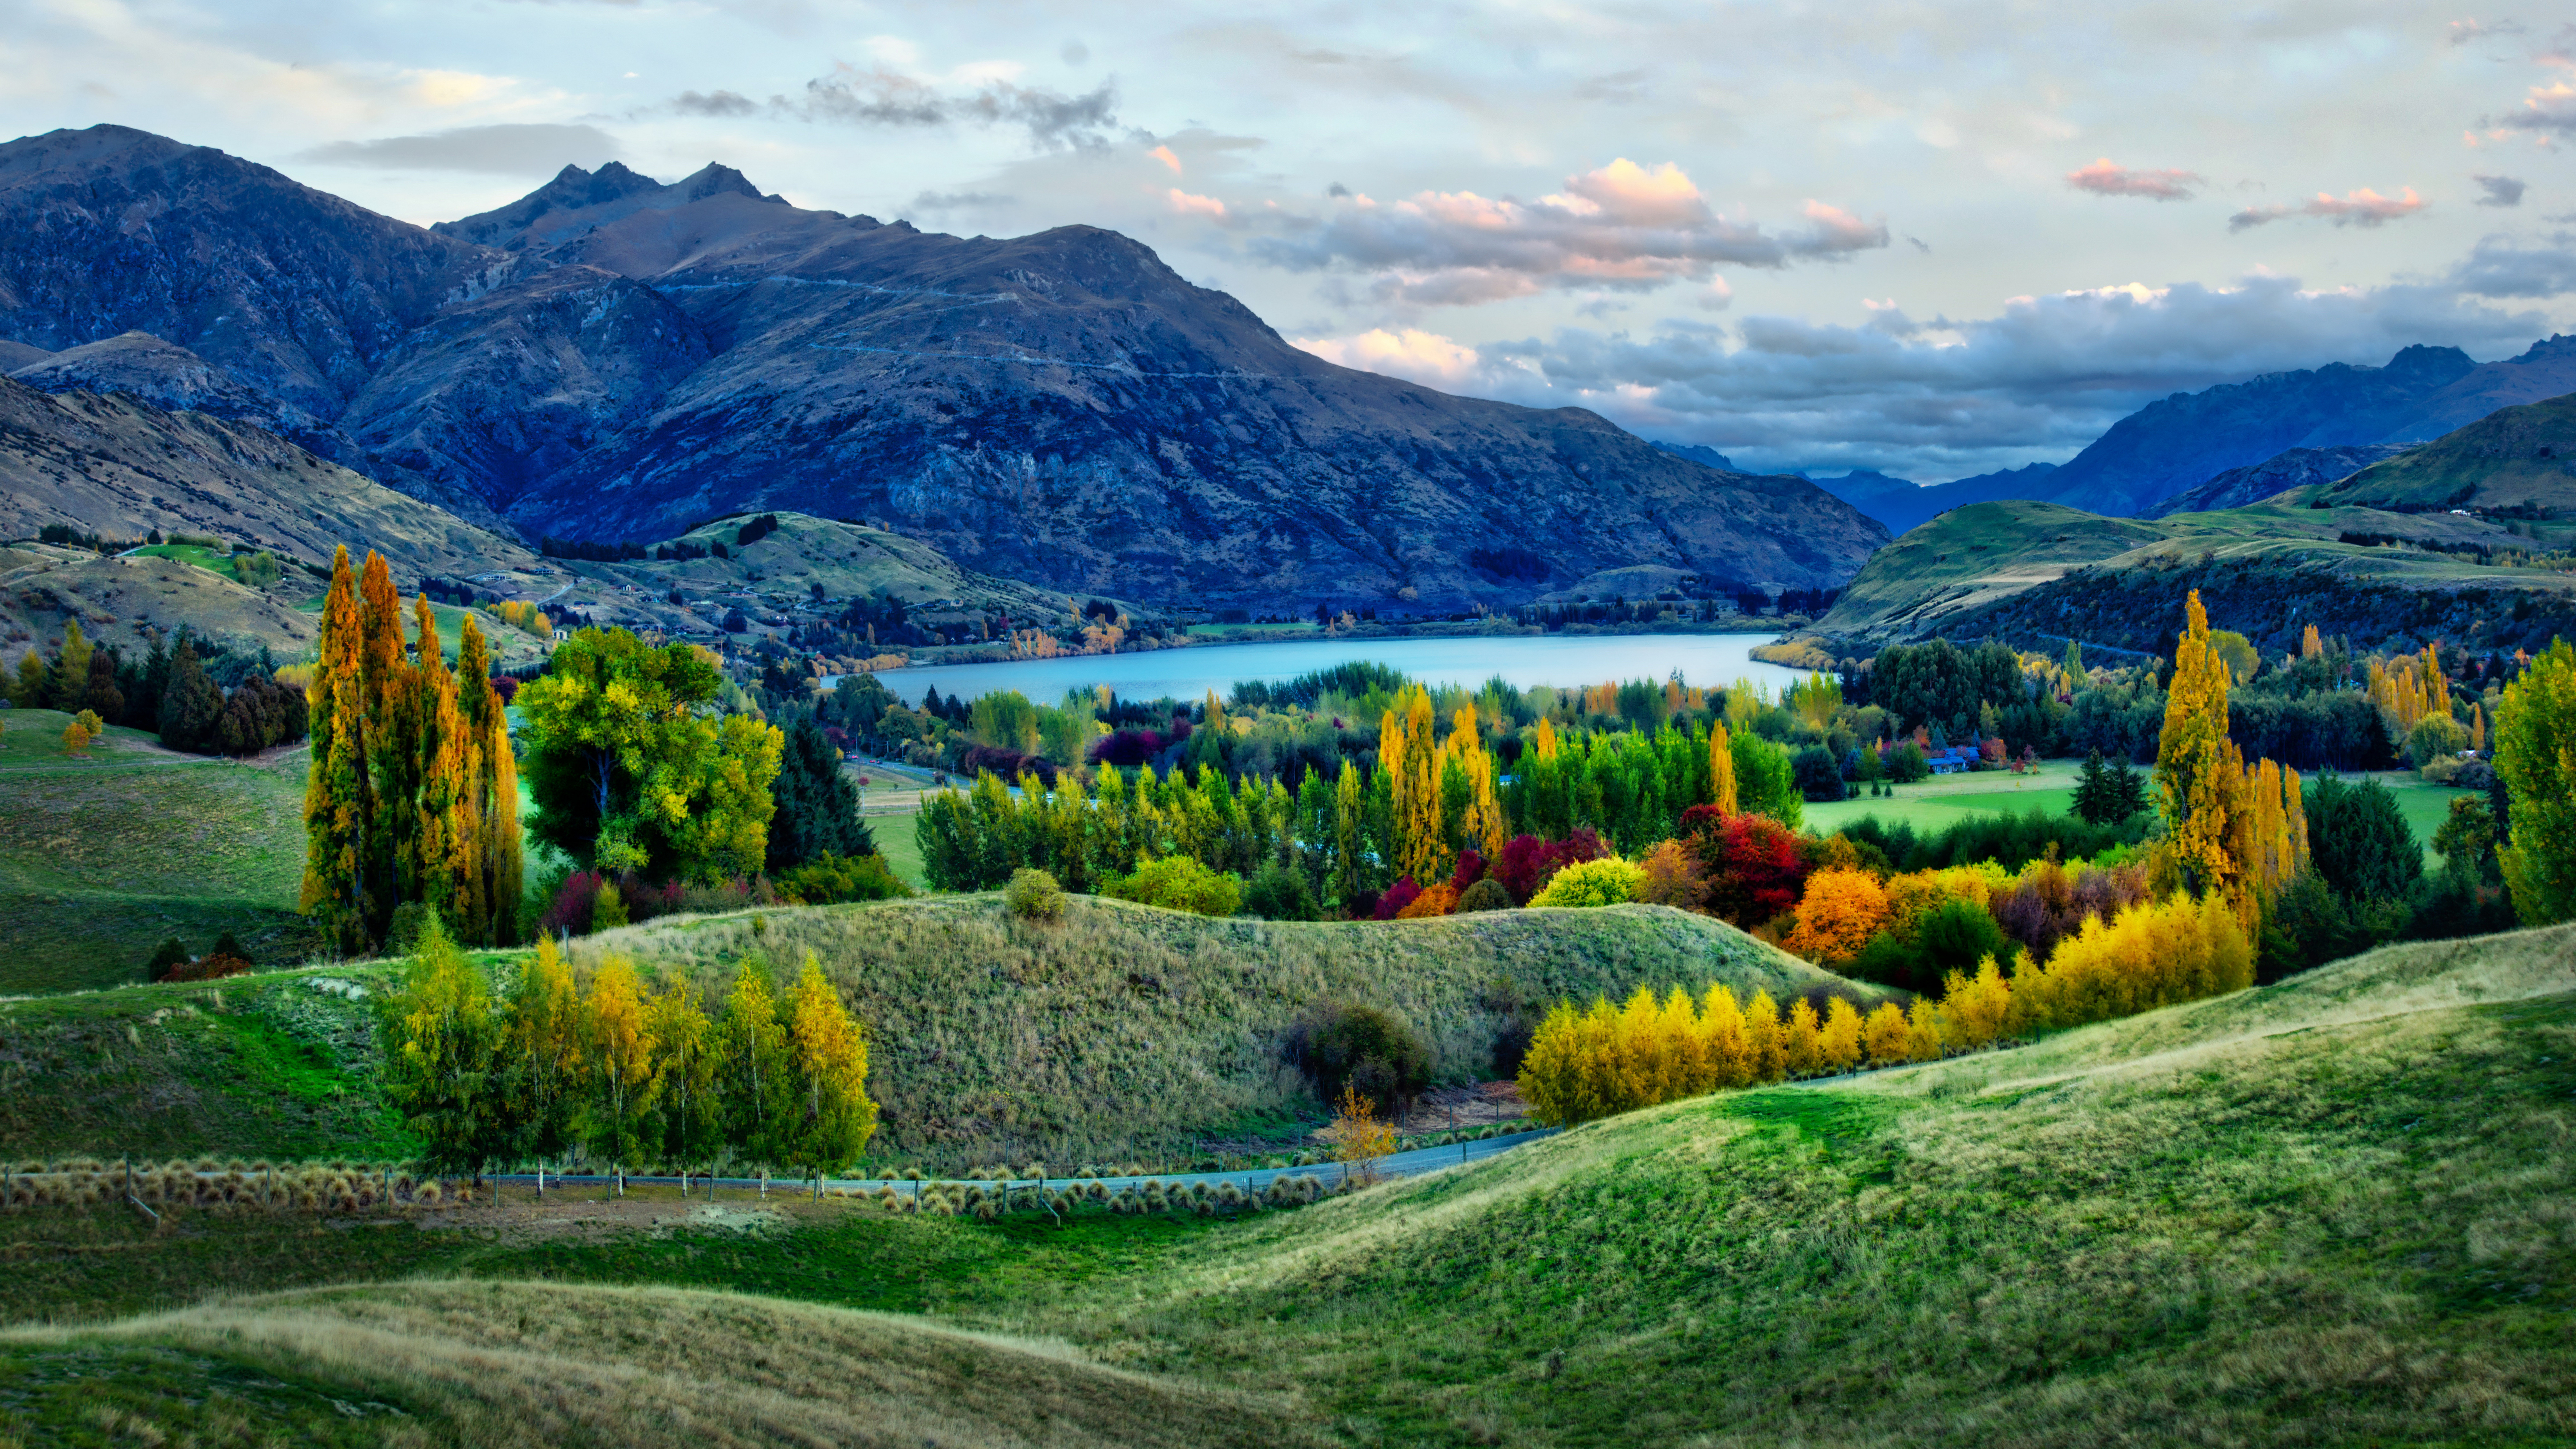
{"x": 1592, "y": 1063}
{"x": 627, "y": 1073}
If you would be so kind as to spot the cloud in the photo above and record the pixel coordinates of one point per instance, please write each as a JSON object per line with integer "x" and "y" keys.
{"x": 1622, "y": 226}
{"x": 1164, "y": 155}
{"x": 1184, "y": 204}
{"x": 2549, "y": 110}
{"x": 713, "y": 103}
{"x": 2497, "y": 267}
{"x": 514, "y": 150}
{"x": 2500, "y": 190}
{"x": 2464, "y": 31}
{"x": 2102, "y": 178}
{"x": 2360, "y": 208}
{"x": 1943, "y": 397}
{"x": 879, "y": 96}
{"x": 960, "y": 200}
{"x": 1416, "y": 356}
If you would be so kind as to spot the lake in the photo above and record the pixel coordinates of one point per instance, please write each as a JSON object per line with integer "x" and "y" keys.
{"x": 1703, "y": 659}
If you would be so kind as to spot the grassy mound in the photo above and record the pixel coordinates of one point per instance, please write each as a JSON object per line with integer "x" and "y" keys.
{"x": 1123, "y": 1031}
{"x": 517, "y": 1363}
{"x": 1126, "y": 1031}
{"x": 101, "y": 857}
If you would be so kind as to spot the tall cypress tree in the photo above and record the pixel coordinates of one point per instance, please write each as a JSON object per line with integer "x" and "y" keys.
{"x": 443, "y": 847}
{"x": 386, "y": 700}
{"x": 490, "y": 797}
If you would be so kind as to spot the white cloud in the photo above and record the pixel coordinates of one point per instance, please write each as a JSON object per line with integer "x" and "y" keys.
{"x": 521, "y": 150}
{"x": 1416, "y": 356}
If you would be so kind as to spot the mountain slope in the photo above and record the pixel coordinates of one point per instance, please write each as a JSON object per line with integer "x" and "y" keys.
{"x": 2188, "y": 438}
{"x": 2042, "y": 569}
{"x": 120, "y": 467}
{"x": 2519, "y": 458}
{"x": 1901, "y": 504}
{"x": 2255, "y": 482}
{"x": 624, "y": 360}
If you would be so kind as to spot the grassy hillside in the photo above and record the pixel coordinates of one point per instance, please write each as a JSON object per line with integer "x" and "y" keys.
{"x": 102, "y": 857}
{"x": 1123, "y": 1032}
{"x": 2516, "y": 457}
{"x": 2327, "y": 1212}
{"x": 1986, "y": 563}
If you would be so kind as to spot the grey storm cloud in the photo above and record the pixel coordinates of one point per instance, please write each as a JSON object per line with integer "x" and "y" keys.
{"x": 1622, "y": 227}
{"x": 520, "y": 150}
{"x": 2500, "y": 190}
{"x": 1945, "y": 397}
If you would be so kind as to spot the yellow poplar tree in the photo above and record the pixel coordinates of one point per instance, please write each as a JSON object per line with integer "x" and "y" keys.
{"x": 339, "y": 801}
{"x": 1408, "y": 750}
{"x": 1838, "y": 1041}
{"x": 1484, "y": 823}
{"x": 2199, "y": 773}
{"x": 617, "y": 1045}
{"x": 828, "y": 1054}
{"x": 1721, "y": 768}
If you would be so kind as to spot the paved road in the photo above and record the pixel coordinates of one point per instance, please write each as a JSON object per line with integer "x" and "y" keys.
{"x": 1401, "y": 1164}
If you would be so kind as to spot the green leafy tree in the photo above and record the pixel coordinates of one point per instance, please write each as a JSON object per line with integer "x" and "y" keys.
{"x": 191, "y": 705}
{"x": 2467, "y": 841}
{"x": 542, "y": 1023}
{"x": 442, "y": 1043}
{"x": 2535, "y": 755}
{"x": 630, "y": 768}
{"x": 687, "y": 1076}
{"x": 1006, "y": 719}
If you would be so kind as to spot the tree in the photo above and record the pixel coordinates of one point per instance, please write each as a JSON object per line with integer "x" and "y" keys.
{"x": 441, "y": 1039}
{"x": 687, "y": 1075}
{"x": 191, "y": 706}
{"x": 1841, "y": 910}
{"x": 817, "y": 803}
{"x": 489, "y": 797}
{"x": 2467, "y": 841}
{"x": 2107, "y": 796}
{"x": 1765, "y": 783}
{"x": 617, "y": 1051}
{"x": 2535, "y": 756}
{"x": 2198, "y": 768}
{"x": 828, "y": 1055}
{"x": 2360, "y": 840}
{"x": 1818, "y": 777}
{"x": 1721, "y": 768}
{"x": 542, "y": 1024}
{"x": 339, "y": 797}
{"x": 67, "y": 682}
{"x": 756, "y": 1074}
{"x": 84, "y": 728}
{"x": 628, "y": 771}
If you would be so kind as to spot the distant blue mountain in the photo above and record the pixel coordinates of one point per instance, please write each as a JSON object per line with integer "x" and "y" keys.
{"x": 1901, "y": 504}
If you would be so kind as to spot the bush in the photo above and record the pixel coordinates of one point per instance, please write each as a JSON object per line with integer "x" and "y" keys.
{"x": 1439, "y": 900}
{"x": 829, "y": 879}
{"x": 1952, "y": 936}
{"x": 166, "y": 957}
{"x": 1033, "y": 895}
{"x": 1178, "y": 883}
{"x": 1906, "y": 764}
{"x": 1606, "y": 882}
{"x": 1485, "y": 895}
{"x": 2435, "y": 737}
{"x": 1281, "y": 893}
{"x": 1366, "y": 1049}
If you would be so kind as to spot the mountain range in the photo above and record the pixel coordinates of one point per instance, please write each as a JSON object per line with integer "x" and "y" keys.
{"x": 612, "y": 359}
{"x": 2235, "y": 443}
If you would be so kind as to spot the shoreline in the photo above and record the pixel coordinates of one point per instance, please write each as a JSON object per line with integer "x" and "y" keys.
{"x": 1456, "y": 629}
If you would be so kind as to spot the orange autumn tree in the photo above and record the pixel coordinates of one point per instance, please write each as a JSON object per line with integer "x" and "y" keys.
{"x": 1841, "y": 910}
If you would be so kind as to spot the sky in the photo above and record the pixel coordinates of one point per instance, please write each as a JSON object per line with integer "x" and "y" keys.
{"x": 1930, "y": 240}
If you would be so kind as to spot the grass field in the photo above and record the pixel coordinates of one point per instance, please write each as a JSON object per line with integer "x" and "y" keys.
{"x": 102, "y": 857}
{"x": 896, "y": 842}
{"x": 2333, "y": 1211}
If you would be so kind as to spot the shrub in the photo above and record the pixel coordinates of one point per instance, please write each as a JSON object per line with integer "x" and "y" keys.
{"x": 1606, "y": 882}
{"x": 1754, "y": 870}
{"x": 1397, "y": 897}
{"x": 1033, "y": 895}
{"x": 2435, "y": 737}
{"x": 1178, "y": 883}
{"x": 166, "y": 957}
{"x": 1281, "y": 893}
{"x": 1437, "y": 901}
{"x": 1485, "y": 895}
{"x": 831, "y": 878}
{"x": 1342, "y": 1046}
{"x": 1673, "y": 877}
{"x": 209, "y": 967}
{"x": 2178, "y": 949}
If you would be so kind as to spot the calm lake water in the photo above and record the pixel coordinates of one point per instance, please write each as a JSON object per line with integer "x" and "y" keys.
{"x": 1703, "y": 659}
